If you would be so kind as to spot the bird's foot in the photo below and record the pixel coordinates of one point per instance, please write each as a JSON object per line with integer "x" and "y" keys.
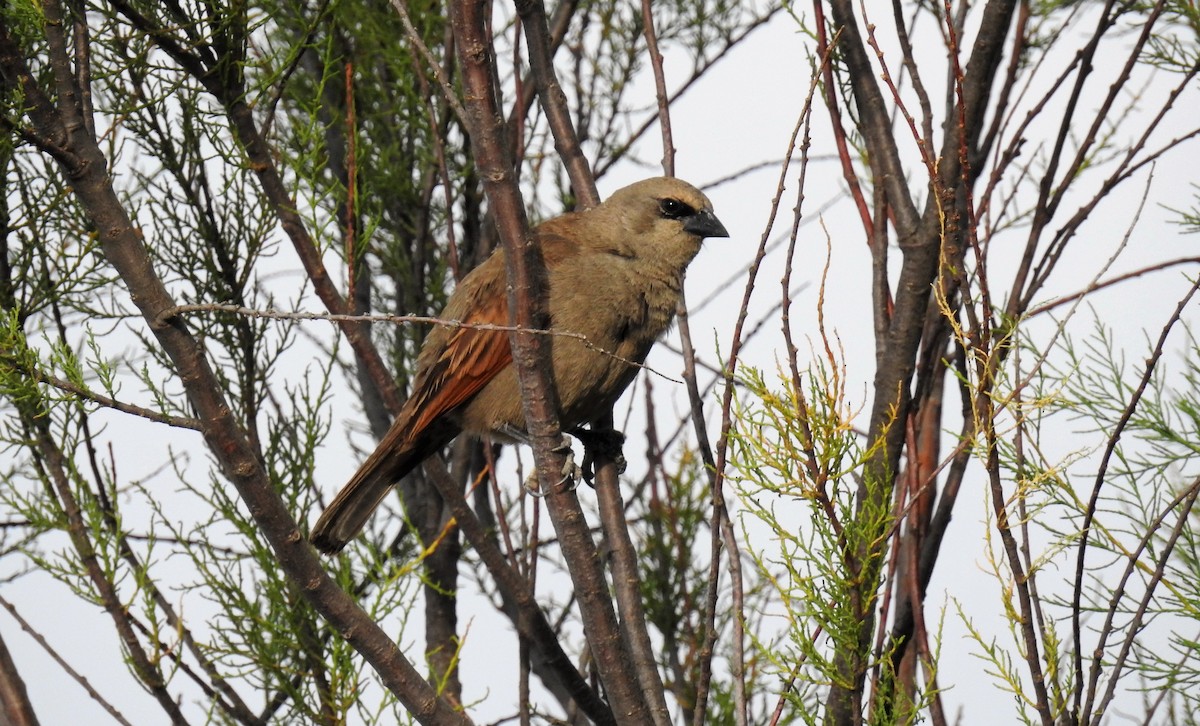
{"x": 571, "y": 472}
{"x": 606, "y": 443}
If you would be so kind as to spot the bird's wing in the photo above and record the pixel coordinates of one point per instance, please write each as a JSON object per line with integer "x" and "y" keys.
{"x": 470, "y": 358}
{"x": 455, "y": 364}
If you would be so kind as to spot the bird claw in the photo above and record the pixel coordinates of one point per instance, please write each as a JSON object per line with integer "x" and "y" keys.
{"x": 606, "y": 442}
{"x": 572, "y": 474}
{"x": 531, "y": 485}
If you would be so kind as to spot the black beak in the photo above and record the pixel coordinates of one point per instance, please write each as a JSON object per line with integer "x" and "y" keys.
{"x": 705, "y": 224}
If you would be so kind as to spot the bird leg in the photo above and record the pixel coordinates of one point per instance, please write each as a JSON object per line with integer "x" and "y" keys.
{"x": 605, "y": 442}
{"x": 572, "y": 474}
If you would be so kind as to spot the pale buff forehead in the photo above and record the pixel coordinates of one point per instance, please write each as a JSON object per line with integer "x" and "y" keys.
{"x": 663, "y": 188}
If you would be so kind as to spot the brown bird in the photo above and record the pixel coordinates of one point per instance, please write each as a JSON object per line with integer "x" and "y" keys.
{"x": 615, "y": 274}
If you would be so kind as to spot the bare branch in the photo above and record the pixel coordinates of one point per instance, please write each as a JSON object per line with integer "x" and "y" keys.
{"x": 526, "y": 307}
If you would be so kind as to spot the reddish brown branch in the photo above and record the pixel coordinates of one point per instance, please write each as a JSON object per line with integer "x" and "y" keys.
{"x": 660, "y": 89}
{"x": 627, "y": 584}
{"x": 351, "y": 210}
{"x": 921, "y": 236}
{"x": 526, "y": 275}
{"x": 15, "y": 706}
{"x": 554, "y": 101}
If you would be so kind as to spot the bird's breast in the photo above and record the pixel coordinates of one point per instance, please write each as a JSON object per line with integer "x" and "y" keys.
{"x": 605, "y": 314}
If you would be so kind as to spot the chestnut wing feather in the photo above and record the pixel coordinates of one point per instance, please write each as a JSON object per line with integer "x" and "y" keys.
{"x": 471, "y": 357}
{"x": 470, "y": 360}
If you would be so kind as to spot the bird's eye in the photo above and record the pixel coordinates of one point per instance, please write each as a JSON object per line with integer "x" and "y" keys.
{"x": 675, "y": 209}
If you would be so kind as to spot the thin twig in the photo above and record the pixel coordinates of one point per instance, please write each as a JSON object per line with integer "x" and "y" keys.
{"x": 75, "y": 675}
{"x": 1183, "y": 503}
{"x": 448, "y": 92}
{"x": 1089, "y": 514}
{"x": 660, "y": 89}
{"x": 102, "y": 400}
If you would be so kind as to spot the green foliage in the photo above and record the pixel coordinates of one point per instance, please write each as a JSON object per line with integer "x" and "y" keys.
{"x": 672, "y": 525}
{"x": 674, "y": 528}
{"x": 1189, "y": 219}
{"x": 796, "y": 456}
{"x": 25, "y": 20}
{"x": 1138, "y": 595}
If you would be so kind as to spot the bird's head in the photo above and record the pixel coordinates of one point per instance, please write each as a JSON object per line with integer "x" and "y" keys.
{"x": 665, "y": 208}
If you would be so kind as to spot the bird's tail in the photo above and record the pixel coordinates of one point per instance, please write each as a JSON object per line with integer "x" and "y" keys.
{"x": 349, "y": 511}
